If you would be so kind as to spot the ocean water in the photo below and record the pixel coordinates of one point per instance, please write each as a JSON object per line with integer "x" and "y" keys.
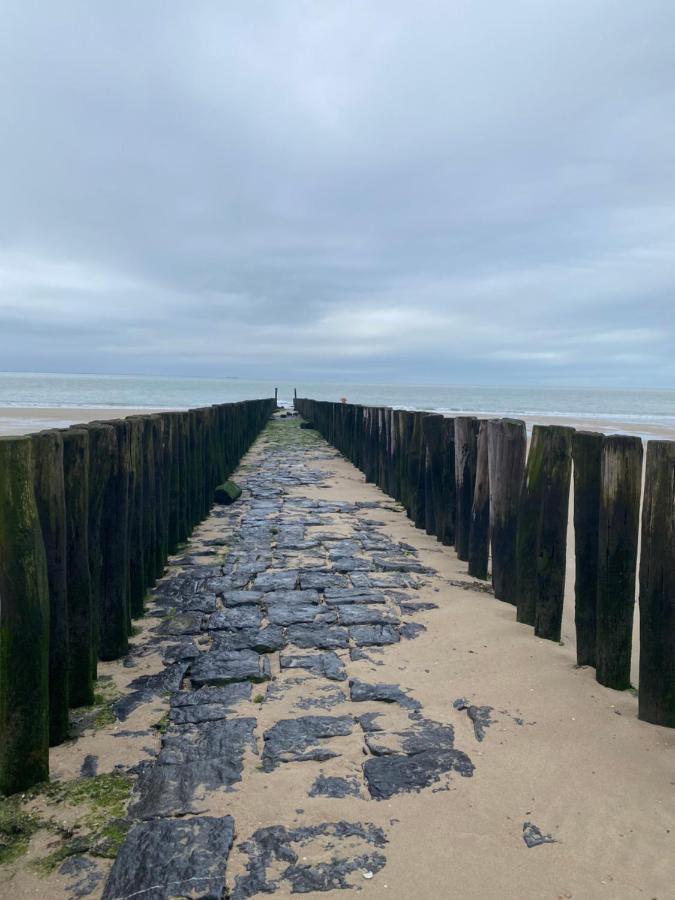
{"x": 648, "y": 408}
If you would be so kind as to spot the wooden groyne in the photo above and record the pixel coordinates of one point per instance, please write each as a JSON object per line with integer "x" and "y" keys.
{"x": 472, "y": 484}
{"x": 88, "y": 518}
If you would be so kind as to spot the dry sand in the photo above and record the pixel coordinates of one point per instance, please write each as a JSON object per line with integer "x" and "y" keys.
{"x": 563, "y": 753}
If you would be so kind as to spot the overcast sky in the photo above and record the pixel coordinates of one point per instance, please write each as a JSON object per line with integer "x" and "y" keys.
{"x": 381, "y": 190}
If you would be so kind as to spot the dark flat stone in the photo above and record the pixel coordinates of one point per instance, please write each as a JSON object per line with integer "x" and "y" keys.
{"x": 534, "y": 837}
{"x": 327, "y": 664}
{"x": 192, "y": 762}
{"x": 321, "y": 637}
{"x": 237, "y": 617}
{"x": 224, "y": 666}
{"x": 276, "y": 580}
{"x": 322, "y": 581}
{"x": 173, "y": 858}
{"x": 298, "y": 740}
{"x": 396, "y": 774}
{"x": 362, "y": 614}
{"x": 411, "y": 630}
{"x": 385, "y": 693}
{"x": 371, "y": 635}
{"x": 242, "y": 598}
{"x": 263, "y": 640}
{"x": 340, "y": 597}
{"x": 181, "y": 623}
{"x": 299, "y": 613}
{"x": 207, "y": 704}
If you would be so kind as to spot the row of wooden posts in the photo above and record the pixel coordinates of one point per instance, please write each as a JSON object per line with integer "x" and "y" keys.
{"x": 472, "y": 483}
{"x": 88, "y": 517}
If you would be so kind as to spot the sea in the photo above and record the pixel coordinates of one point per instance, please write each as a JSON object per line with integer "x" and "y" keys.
{"x": 645, "y": 410}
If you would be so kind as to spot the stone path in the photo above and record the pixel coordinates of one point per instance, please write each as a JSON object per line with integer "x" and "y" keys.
{"x": 273, "y": 629}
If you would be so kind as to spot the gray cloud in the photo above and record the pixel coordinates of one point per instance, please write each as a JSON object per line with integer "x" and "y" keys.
{"x": 446, "y": 191}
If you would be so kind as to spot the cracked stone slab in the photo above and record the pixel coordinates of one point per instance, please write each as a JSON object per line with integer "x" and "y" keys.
{"x": 261, "y": 640}
{"x": 193, "y": 761}
{"x": 341, "y": 597}
{"x": 299, "y": 740}
{"x": 385, "y": 693}
{"x": 207, "y": 703}
{"x": 237, "y": 617}
{"x": 242, "y": 598}
{"x": 320, "y": 637}
{"x": 373, "y": 635}
{"x": 173, "y": 858}
{"x": 279, "y": 858}
{"x": 276, "y": 580}
{"x": 327, "y": 664}
{"x": 224, "y": 666}
{"x": 362, "y": 614}
{"x": 396, "y": 774}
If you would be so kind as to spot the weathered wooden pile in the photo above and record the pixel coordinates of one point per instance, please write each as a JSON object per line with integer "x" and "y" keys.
{"x": 473, "y": 484}
{"x": 88, "y": 517}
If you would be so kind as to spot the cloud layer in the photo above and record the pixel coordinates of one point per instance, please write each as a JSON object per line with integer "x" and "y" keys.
{"x": 436, "y": 191}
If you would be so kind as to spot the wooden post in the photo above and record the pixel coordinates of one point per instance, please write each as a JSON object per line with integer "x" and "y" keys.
{"x": 552, "y": 538}
{"x": 432, "y": 426}
{"x": 448, "y": 505}
{"x": 102, "y": 449}
{"x": 136, "y": 519}
{"x": 82, "y": 666}
{"x": 114, "y": 611}
{"x": 51, "y": 506}
{"x": 479, "y": 530}
{"x": 587, "y": 456}
{"x": 295, "y": 398}
{"x": 529, "y": 528}
{"x": 621, "y": 480}
{"x": 276, "y": 397}
{"x": 657, "y": 588}
{"x": 466, "y": 447}
{"x": 507, "y": 443}
{"x": 24, "y": 624}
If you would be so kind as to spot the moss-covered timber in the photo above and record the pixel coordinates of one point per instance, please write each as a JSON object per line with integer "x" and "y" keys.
{"x": 24, "y": 624}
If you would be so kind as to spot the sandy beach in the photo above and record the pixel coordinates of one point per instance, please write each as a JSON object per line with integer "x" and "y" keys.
{"x": 559, "y": 752}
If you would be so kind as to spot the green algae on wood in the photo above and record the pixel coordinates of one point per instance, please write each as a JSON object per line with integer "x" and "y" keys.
{"x": 24, "y": 624}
